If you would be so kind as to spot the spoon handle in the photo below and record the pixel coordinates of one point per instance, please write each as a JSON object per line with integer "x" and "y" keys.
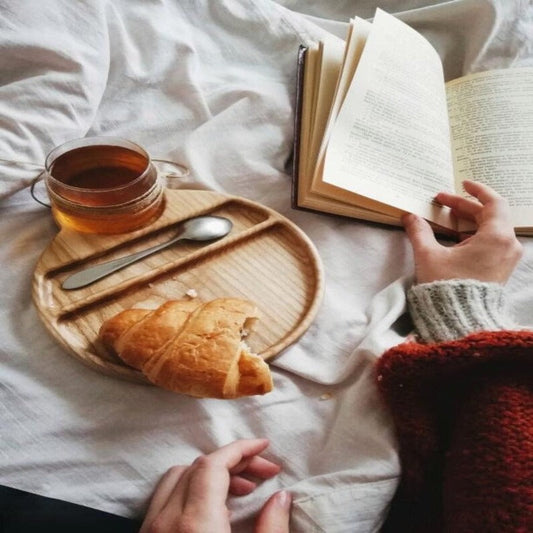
{"x": 85, "y": 277}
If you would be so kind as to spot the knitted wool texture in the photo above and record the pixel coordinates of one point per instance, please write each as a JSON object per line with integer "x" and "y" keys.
{"x": 464, "y": 417}
{"x": 451, "y": 309}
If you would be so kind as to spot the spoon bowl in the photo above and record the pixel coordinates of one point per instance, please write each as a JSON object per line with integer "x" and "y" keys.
{"x": 205, "y": 228}
{"x": 202, "y": 228}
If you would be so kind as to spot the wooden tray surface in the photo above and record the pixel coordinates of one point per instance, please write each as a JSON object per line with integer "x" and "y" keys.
{"x": 266, "y": 258}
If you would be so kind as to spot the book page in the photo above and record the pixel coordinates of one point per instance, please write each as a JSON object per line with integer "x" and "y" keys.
{"x": 331, "y": 52}
{"x": 355, "y": 43}
{"x": 391, "y": 140}
{"x": 491, "y": 120}
{"x": 309, "y": 83}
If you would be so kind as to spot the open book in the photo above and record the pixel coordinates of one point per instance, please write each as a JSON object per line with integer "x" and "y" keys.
{"x": 379, "y": 133}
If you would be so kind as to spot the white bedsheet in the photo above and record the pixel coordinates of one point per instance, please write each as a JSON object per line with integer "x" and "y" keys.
{"x": 210, "y": 83}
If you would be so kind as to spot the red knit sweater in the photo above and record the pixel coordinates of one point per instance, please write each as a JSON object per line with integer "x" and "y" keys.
{"x": 464, "y": 417}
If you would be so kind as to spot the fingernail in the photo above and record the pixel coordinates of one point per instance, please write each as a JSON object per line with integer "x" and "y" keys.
{"x": 284, "y": 499}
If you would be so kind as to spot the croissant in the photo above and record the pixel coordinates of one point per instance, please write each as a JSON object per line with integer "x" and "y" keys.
{"x": 191, "y": 347}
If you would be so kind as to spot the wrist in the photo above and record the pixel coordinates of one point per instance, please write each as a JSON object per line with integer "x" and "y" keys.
{"x": 451, "y": 309}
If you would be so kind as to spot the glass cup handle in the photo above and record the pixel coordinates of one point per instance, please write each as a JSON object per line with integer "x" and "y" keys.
{"x": 183, "y": 171}
{"x": 34, "y": 182}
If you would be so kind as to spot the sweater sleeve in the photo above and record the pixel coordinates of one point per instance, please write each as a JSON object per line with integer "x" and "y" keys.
{"x": 450, "y": 309}
{"x": 463, "y": 412}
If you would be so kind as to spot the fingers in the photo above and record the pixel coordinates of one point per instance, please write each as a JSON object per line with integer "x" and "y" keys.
{"x": 487, "y": 208}
{"x": 495, "y": 216}
{"x": 257, "y": 467}
{"x": 426, "y": 249}
{"x": 240, "y": 486}
{"x": 482, "y": 192}
{"x": 461, "y": 207}
{"x": 207, "y": 481}
{"x": 232, "y": 454}
{"x": 489, "y": 254}
{"x": 275, "y": 514}
{"x": 196, "y": 495}
{"x": 208, "y": 484}
{"x": 162, "y": 494}
{"x": 467, "y": 207}
{"x": 420, "y": 233}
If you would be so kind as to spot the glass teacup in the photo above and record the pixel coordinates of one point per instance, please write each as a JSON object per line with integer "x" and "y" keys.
{"x": 103, "y": 185}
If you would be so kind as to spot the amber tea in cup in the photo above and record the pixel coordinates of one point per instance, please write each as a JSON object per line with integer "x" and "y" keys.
{"x": 103, "y": 185}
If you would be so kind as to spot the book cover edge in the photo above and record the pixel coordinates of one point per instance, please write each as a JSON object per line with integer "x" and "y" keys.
{"x": 302, "y": 50}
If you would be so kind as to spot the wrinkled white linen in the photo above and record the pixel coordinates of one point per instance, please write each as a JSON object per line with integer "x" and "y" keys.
{"x": 211, "y": 84}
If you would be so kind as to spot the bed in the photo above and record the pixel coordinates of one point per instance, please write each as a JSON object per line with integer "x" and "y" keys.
{"x": 211, "y": 84}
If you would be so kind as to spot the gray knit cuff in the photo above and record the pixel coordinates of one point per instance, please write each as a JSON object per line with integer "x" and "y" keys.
{"x": 450, "y": 309}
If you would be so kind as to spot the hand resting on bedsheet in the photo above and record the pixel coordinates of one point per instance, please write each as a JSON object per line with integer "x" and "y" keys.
{"x": 468, "y": 277}
{"x": 192, "y": 498}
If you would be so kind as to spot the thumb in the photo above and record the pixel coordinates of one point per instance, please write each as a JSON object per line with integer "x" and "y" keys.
{"x": 420, "y": 233}
{"x": 275, "y": 514}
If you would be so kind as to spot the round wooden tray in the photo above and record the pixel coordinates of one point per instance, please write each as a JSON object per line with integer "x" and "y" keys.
{"x": 266, "y": 258}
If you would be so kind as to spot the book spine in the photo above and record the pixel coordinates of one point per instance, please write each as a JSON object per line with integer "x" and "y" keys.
{"x": 297, "y": 123}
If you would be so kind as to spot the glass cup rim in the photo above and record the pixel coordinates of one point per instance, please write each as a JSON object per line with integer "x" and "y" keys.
{"x": 99, "y": 140}
{"x": 151, "y": 195}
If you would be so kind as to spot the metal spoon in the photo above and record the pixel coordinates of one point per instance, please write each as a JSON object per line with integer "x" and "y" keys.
{"x": 204, "y": 228}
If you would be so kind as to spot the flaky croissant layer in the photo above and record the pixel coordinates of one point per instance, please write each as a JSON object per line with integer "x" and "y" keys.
{"x": 191, "y": 347}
